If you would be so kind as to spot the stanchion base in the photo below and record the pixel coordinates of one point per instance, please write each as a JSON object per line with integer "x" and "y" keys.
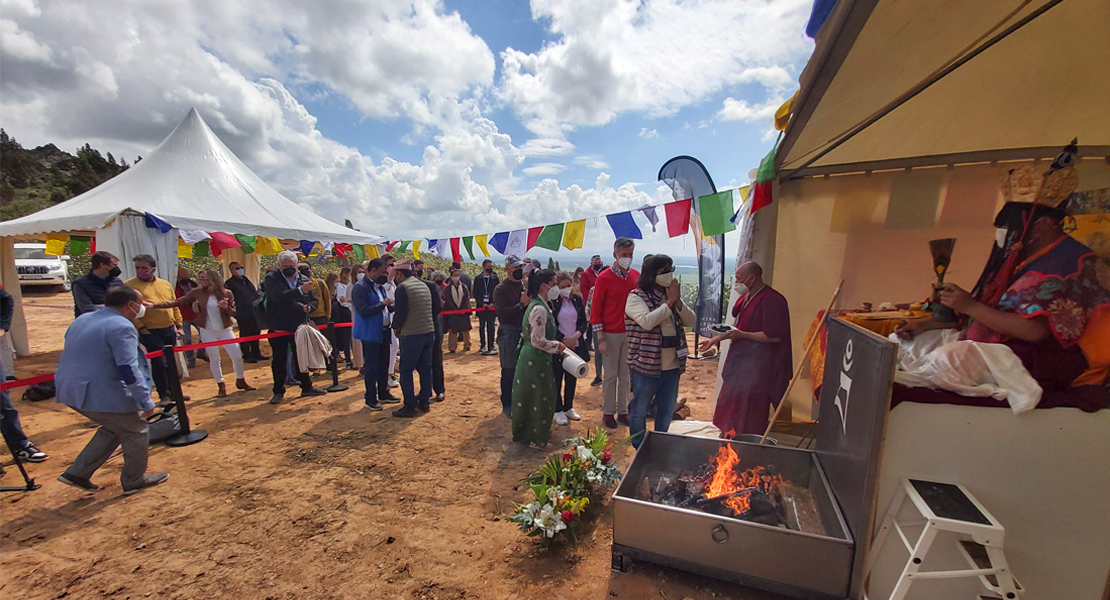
{"x": 338, "y": 387}
{"x": 187, "y": 439}
{"x": 21, "y": 488}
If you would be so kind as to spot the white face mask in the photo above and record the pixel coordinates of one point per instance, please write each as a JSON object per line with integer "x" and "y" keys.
{"x": 1000, "y": 236}
{"x": 625, "y": 262}
{"x": 564, "y": 292}
{"x": 241, "y": 272}
{"x": 664, "y": 279}
{"x": 360, "y": 276}
{"x": 454, "y": 280}
{"x": 552, "y": 293}
{"x": 142, "y": 311}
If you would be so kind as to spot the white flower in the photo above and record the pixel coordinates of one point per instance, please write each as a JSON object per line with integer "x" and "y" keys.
{"x": 556, "y": 496}
{"x": 550, "y": 521}
{"x": 585, "y": 454}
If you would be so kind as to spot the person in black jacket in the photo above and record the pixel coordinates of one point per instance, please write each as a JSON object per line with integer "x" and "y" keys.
{"x": 245, "y": 294}
{"x": 571, "y": 326}
{"x": 289, "y": 299}
{"x": 90, "y": 289}
{"x": 482, "y": 291}
{"x": 10, "y": 427}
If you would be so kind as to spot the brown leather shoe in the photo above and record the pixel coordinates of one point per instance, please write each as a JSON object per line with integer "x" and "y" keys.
{"x": 221, "y": 390}
{"x": 241, "y": 384}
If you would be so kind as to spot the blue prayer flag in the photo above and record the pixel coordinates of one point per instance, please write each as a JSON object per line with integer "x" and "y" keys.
{"x": 499, "y": 241}
{"x": 306, "y": 247}
{"x": 624, "y": 225}
{"x": 154, "y": 222}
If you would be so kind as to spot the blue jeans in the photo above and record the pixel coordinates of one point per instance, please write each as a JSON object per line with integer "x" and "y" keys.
{"x": 416, "y": 355}
{"x": 187, "y": 338}
{"x": 664, "y": 389}
{"x": 9, "y": 421}
{"x": 375, "y": 369}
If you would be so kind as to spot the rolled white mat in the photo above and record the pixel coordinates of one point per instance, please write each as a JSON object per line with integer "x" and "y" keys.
{"x": 574, "y": 364}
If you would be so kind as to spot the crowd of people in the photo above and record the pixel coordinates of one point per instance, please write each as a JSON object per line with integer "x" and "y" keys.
{"x": 399, "y": 316}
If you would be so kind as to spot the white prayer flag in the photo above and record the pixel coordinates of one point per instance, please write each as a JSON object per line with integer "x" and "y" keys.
{"x": 192, "y": 237}
{"x": 518, "y": 243}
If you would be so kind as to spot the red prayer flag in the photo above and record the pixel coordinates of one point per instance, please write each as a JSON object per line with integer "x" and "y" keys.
{"x": 533, "y": 235}
{"x": 342, "y": 249}
{"x": 761, "y": 196}
{"x": 455, "y": 254}
{"x": 221, "y": 242}
{"x": 678, "y": 217}
{"x": 390, "y": 245}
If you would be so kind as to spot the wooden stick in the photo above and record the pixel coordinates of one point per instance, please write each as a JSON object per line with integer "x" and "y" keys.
{"x": 801, "y": 364}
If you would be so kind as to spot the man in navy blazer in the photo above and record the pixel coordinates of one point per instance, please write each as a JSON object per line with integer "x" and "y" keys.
{"x": 373, "y": 310}
{"x": 101, "y": 376}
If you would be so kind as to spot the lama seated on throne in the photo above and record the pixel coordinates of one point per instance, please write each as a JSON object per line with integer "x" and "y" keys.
{"x": 1037, "y": 321}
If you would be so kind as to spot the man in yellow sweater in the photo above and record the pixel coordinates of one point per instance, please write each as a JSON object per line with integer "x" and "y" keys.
{"x": 158, "y": 327}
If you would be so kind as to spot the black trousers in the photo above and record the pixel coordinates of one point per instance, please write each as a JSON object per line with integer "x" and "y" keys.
{"x": 375, "y": 370}
{"x": 281, "y": 347}
{"x": 249, "y": 327}
{"x": 487, "y": 322}
{"x": 437, "y": 361}
{"x": 342, "y": 344}
{"x": 507, "y": 389}
{"x": 567, "y": 382}
{"x": 154, "y": 340}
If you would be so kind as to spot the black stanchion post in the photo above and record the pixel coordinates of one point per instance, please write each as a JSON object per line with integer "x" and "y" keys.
{"x": 187, "y": 435}
{"x": 29, "y": 484}
{"x": 333, "y": 362}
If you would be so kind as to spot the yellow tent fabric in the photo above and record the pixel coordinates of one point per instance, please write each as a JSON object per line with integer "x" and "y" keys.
{"x": 481, "y": 239}
{"x": 573, "y": 235}
{"x": 184, "y": 250}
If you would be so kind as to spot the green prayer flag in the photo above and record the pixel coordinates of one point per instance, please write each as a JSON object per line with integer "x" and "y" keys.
{"x": 201, "y": 250}
{"x": 79, "y": 245}
{"x": 359, "y": 252}
{"x": 246, "y": 242}
{"x": 715, "y": 212}
{"x": 767, "y": 167}
{"x": 468, "y": 243}
{"x": 551, "y": 237}
{"x": 404, "y": 246}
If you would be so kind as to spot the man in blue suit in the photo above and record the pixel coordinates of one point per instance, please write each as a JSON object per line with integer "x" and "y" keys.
{"x": 372, "y": 322}
{"x": 101, "y": 376}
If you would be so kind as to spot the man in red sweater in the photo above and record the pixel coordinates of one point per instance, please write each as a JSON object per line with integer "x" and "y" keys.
{"x": 607, "y": 321}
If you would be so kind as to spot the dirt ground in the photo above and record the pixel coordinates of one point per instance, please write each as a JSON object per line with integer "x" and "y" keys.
{"x": 314, "y": 498}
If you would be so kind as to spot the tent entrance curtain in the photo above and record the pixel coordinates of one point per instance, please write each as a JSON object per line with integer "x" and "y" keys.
{"x": 128, "y": 236}
{"x": 252, "y": 264}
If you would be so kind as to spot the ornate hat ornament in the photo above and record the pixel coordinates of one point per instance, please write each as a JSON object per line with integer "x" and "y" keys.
{"x": 1025, "y": 184}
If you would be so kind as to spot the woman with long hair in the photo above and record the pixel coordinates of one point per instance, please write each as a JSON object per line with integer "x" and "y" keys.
{"x": 357, "y": 274}
{"x": 534, "y": 397}
{"x": 571, "y": 325}
{"x": 576, "y": 282}
{"x": 215, "y": 307}
{"x": 456, "y": 296}
{"x": 341, "y": 313}
{"x": 655, "y": 319}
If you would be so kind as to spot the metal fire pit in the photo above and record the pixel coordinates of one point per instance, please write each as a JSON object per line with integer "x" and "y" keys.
{"x": 840, "y": 474}
{"x": 773, "y": 558}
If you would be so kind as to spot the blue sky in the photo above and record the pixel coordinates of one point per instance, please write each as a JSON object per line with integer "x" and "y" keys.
{"x": 421, "y": 118}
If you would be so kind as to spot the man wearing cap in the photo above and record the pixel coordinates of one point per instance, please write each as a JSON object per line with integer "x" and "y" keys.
{"x": 509, "y": 302}
{"x": 415, "y": 307}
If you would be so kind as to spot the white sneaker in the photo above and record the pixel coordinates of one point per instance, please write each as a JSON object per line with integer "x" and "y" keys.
{"x": 561, "y": 419}
{"x": 572, "y": 415}
{"x": 393, "y": 382}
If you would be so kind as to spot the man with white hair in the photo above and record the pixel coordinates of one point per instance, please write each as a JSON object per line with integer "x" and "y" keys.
{"x": 288, "y": 299}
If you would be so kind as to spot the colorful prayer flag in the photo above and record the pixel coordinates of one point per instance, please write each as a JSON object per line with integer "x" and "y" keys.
{"x": 432, "y": 246}
{"x": 306, "y": 247}
{"x": 154, "y": 222}
{"x": 359, "y": 251}
{"x": 222, "y": 241}
{"x": 533, "y": 235}
{"x": 782, "y": 115}
{"x": 517, "y": 243}
{"x": 499, "y": 242}
{"x": 404, "y": 246}
{"x": 441, "y": 247}
{"x": 372, "y": 251}
{"x": 715, "y": 213}
{"x": 391, "y": 244}
{"x": 202, "y": 249}
{"x": 652, "y": 217}
{"x": 624, "y": 225}
{"x": 79, "y": 245}
{"x": 573, "y": 234}
{"x": 550, "y": 237}
{"x": 455, "y": 254}
{"x": 184, "y": 250}
{"x": 246, "y": 242}
{"x": 194, "y": 236}
{"x": 743, "y": 197}
{"x": 481, "y": 239}
{"x": 267, "y": 245}
{"x": 341, "y": 250}
{"x": 56, "y": 243}
{"x": 762, "y": 194}
{"x": 468, "y": 243}
{"x": 416, "y": 249}
{"x": 678, "y": 217}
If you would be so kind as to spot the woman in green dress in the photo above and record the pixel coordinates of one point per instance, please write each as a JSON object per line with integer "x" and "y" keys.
{"x": 534, "y": 396}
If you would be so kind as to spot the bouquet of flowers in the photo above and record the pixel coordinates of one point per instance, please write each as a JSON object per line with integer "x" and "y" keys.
{"x": 549, "y": 513}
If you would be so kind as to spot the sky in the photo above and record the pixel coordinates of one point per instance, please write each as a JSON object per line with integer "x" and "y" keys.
{"x": 418, "y": 118}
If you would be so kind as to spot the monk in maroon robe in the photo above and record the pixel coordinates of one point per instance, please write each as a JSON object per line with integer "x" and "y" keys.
{"x": 759, "y": 363}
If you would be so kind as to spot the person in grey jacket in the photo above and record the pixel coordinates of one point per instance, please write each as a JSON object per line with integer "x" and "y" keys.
{"x": 101, "y": 375}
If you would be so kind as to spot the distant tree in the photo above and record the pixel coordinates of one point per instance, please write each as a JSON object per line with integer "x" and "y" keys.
{"x": 551, "y": 263}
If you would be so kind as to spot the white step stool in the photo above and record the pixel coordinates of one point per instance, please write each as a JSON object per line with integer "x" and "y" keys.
{"x": 950, "y": 508}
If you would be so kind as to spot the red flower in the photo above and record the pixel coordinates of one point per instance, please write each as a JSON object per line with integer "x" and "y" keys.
{"x": 568, "y": 516}
{"x": 608, "y": 456}
{"x": 567, "y": 456}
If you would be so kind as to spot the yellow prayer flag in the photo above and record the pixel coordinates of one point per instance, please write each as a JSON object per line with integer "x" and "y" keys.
{"x": 267, "y": 245}
{"x": 371, "y": 251}
{"x": 481, "y": 239}
{"x": 416, "y": 249}
{"x": 184, "y": 250}
{"x": 782, "y": 115}
{"x": 744, "y": 192}
{"x": 573, "y": 234}
{"x": 56, "y": 243}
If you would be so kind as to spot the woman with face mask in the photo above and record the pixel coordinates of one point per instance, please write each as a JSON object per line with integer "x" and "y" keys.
{"x": 214, "y": 307}
{"x": 534, "y": 397}
{"x": 655, "y": 319}
{"x": 456, "y": 296}
{"x": 572, "y": 324}
{"x": 341, "y": 313}
{"x": 357, "y": 274}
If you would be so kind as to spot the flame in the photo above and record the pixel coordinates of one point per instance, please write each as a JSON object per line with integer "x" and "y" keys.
{"x": 727, "y": 478}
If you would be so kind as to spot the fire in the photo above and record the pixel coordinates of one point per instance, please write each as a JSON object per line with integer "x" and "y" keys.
{"x": 727, "y": 479}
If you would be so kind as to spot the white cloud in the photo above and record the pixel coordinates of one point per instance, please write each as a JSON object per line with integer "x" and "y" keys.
{"x": 543, "y": 147}
{"x": 648, "y": 134}
{"x": 733, "y": 109}
{"x": 616, "y": 56}
{"x": 591, "y": 161}
{"x": 545, "y": 169}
